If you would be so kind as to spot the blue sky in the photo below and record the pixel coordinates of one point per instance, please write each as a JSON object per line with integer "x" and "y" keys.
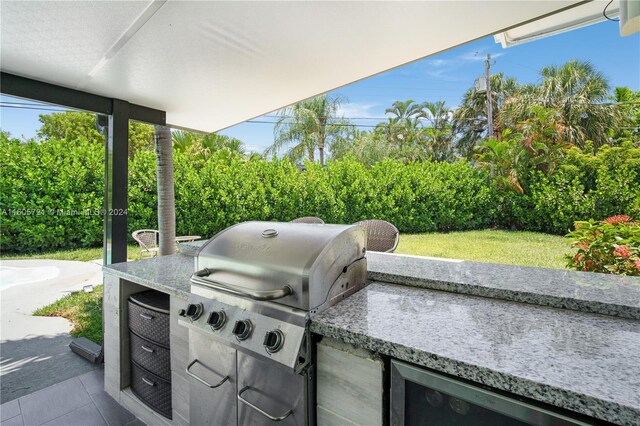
{"x": 445, "y": 76}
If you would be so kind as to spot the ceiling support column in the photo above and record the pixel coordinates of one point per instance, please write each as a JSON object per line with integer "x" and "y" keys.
{"x": 116, "y": 151}
{"x": 116, "y": 171}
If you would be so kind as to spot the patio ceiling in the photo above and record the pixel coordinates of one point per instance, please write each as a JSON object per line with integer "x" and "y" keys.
{"x": 211, "y": 65}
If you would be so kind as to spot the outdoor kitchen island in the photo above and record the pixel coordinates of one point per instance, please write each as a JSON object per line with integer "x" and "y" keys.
{"x": 564, "y": 339}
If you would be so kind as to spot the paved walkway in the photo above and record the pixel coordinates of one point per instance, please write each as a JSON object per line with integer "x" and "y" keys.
{"x": 34, "y": 351}
{"x": 80, "y": 401}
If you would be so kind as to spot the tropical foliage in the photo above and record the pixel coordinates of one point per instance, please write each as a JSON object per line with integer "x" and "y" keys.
{"x": 563, "y": 150}
{"x": 52, "y": 191}
{"x": 571, "y": 106}
{"x": 72, "y": 125}
{"x": 308, "y": 126}
{"x": 204, "y": 145}
{"x": 578, "y": 95}
{"x": 628, "y": 102}
{"x": 470, "y": 118}
{"x": 505, "y": 159}
{"x": 611, "y": 246}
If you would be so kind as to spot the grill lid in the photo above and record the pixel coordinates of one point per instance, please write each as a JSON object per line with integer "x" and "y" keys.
{"x": 289, "y": 263}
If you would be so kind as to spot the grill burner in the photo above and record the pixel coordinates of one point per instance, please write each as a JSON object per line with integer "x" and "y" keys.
{"x": 256, "y": 287}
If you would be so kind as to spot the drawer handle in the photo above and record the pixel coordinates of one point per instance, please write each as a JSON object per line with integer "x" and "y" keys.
{"x": 147, "y": 317}
{"x": 261, "y": 411}
{"x": 144, "y": 348}
{"x": 209, "y": 385}
{"x": 147, "y": 381}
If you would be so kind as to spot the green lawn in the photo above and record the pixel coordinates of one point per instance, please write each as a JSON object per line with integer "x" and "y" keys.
{"x": 84, "y": 255}
{"x": 510, "y": 247}
{"x": 84, "y": 310}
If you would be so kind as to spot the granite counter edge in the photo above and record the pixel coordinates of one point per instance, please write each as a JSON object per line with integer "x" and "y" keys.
{"x": 543, "y": 299}
{"x": 147, "y": 283}
{"x": 580, "y": 403}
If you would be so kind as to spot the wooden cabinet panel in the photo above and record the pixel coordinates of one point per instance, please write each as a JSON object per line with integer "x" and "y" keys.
{"x": 350, "y": 384}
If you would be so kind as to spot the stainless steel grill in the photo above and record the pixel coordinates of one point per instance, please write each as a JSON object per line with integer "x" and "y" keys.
{"x": 255, "y": 289}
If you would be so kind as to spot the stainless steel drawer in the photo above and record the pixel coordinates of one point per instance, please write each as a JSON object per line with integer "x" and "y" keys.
{"x": 212, "y": 382}
{"x": 268, "y": 394}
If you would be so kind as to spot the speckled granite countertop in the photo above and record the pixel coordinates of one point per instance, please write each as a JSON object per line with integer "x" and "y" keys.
{"x": 169, "y": 274}
{"x": 576, "y": 360}
{"x": 581, "y": 291}
{"x": 582, "y": 362}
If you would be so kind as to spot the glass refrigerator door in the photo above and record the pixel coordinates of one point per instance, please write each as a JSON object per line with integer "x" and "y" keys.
{"x": 422, "y": 398}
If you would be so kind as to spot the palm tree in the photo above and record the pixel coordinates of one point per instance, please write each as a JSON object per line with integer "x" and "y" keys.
{"x": 215, "y": 142}
{"x": 403, "y": 127}
{"x": 470, "y": 119}
{"x": 183, "y": 140}
{"x": 578, "y": 92}
{"x": 309, "y": 125}
{"x": 542, "y": 137}
{"x": 199, "y": 143}
{"x": 405, "y": 113}
{"x": 166, "y": 198}
{"x": 629, "y": 105}
{"x": 440, "y": 133}
{"x": 504, "y": 159}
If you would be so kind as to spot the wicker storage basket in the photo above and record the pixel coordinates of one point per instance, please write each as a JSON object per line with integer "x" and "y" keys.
{"x": 153, "y": 358}
{"x": 149, "y": 321}
{"x": 153, "y": 390}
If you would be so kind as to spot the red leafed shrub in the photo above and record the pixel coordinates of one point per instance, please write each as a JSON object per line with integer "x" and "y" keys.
{"x": 620, "y": 218}
{"x": 611, "y": 246}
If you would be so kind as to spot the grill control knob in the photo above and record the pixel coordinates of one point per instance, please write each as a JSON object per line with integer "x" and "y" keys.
{"x": 273, "y": 341}
{"x": 242, "y": 329}
{"x": 217, "y": 319}
{"x": 194, "y": 311}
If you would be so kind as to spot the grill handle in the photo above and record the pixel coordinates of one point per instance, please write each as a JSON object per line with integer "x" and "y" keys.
{"x": 199, "y": 278}
{"x": 261, "y": 411}
{"x": 207, "y": 384}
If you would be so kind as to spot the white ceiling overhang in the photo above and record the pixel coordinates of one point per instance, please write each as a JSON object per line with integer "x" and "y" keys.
{"x": 570, "y": 19}
{"x": 213, "y": 64}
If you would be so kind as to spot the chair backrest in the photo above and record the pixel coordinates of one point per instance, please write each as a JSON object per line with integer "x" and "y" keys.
{"x": 308, "y": 219}
{"x": 147, "y": 238}
{"x": 381, "y": 235}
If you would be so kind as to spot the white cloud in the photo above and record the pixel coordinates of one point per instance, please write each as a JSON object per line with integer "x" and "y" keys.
{"x": 444, "y": 69}
{"x": 442, "y": 73}
{"x": 356, "y": 110}
{"x": 438, "y": 62}
{"x": 254, "y": 148}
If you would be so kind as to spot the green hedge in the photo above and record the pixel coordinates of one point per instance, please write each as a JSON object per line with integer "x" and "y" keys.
{"x": 41, "y": 185}
{"x": 66, "y": 178}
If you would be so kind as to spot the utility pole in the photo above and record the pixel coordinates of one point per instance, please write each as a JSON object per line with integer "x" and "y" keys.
{"x": 487, "y": 76}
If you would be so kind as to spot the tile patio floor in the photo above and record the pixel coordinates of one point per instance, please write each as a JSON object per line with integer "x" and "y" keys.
{"x": 79, "y": 401}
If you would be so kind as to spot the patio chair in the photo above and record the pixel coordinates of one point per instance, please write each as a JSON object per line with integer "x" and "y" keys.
{"x": 148, "y": 241}
{"x": 308, "y": 219}
{"x": 382, "y": 236}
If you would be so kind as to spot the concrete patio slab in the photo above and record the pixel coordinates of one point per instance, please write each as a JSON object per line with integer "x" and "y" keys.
{"x": 9, "y": 410}
{"x": 53, "y": 402}
{"x": 87, "y": 415}
{"x": 34, "y": 351}
{"x": 13, "y": 421}
{"x": 78, "y": 401}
